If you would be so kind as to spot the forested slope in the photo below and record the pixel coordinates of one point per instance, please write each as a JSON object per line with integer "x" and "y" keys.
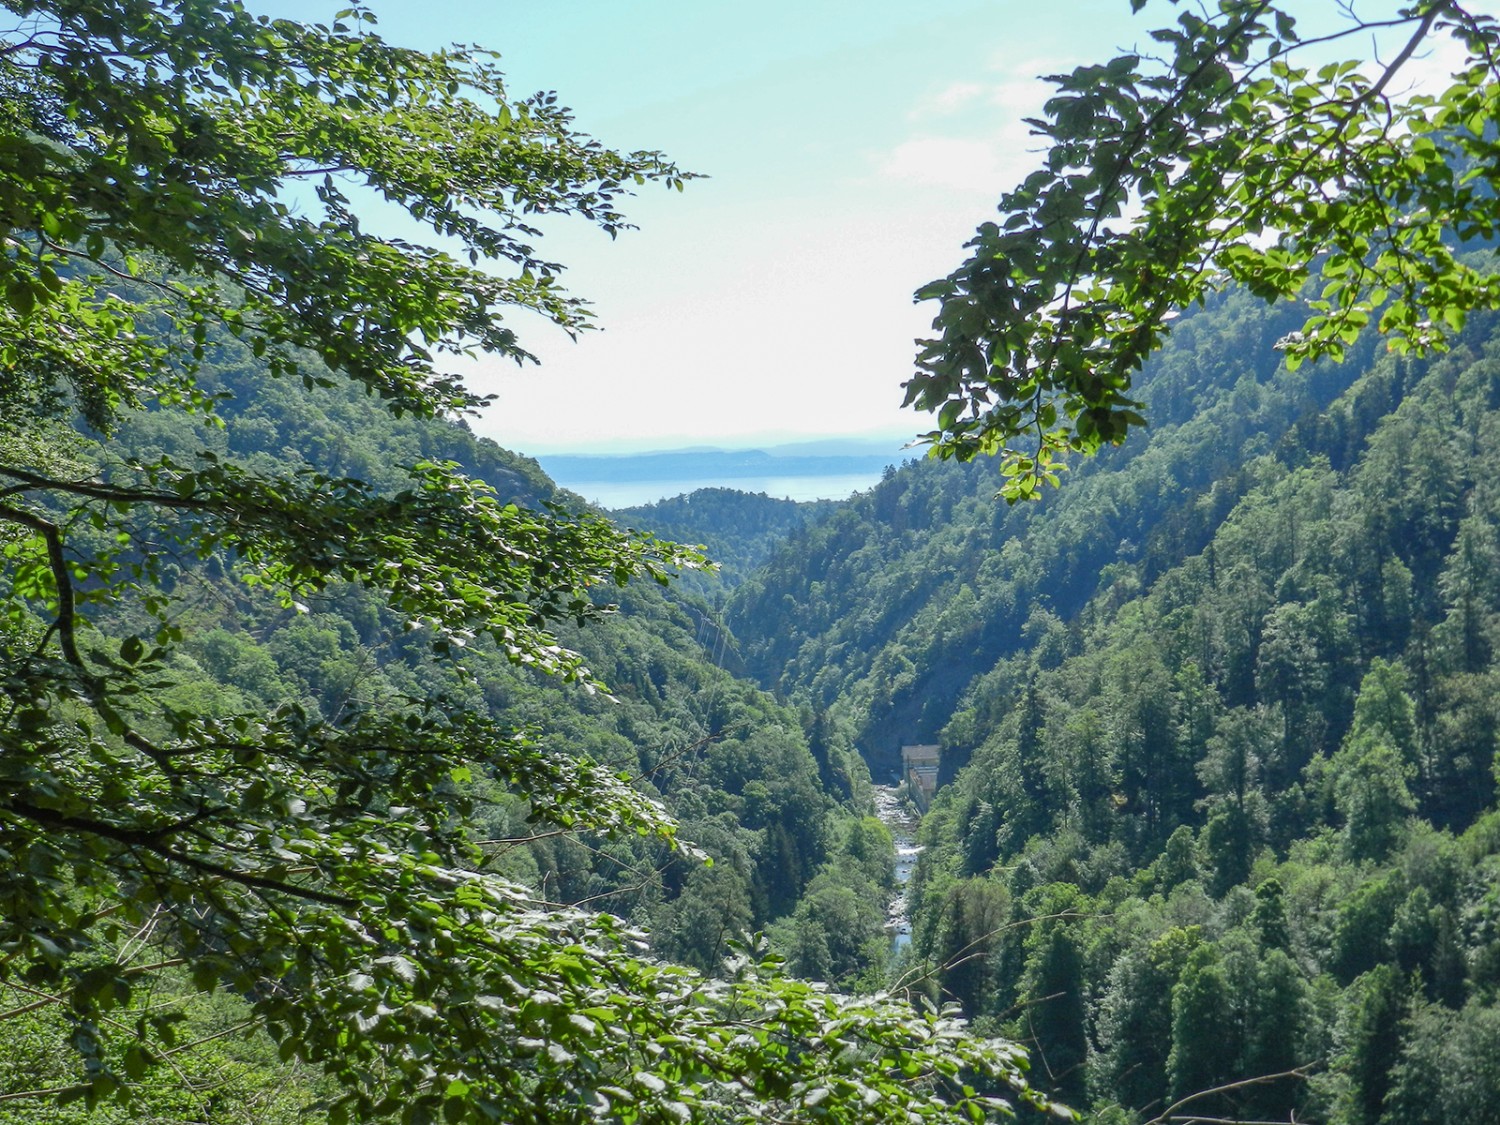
{"x": 896, "y": 602}
{"x": 1228, "y": 709}
{"x": 733, "y": 765}
{"x": 739, "y": 530}
{"x": 768, "y": 804}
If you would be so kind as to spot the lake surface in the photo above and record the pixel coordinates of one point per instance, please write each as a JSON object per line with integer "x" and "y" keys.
{"x": 631, "y": 493}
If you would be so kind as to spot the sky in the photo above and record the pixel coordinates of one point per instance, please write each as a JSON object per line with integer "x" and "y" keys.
{"x": 849, "y": 149}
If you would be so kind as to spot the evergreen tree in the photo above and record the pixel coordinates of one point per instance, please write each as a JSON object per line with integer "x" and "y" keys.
{"x": 1205, "y": 1044}
{"x": 1135, "y": 1022}
{"x": 1279, "y": 1018}
{"x": 1374, "y": 1042}
{"x": 1054, "y": 1023}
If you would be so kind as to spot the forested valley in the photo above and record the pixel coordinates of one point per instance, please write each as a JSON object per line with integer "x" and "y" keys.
{"x": 774, "y": 801}
{"x": 351, "y": 771}
{"x": 1219, "y": 731}
{"x": 1218, "y": 724}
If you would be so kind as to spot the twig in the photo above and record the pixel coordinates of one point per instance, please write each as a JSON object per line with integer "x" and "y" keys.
{"x": 1170, "y": 1113}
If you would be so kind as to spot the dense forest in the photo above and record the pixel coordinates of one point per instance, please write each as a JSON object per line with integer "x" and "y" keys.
{"x": 739, "y": 530}
{"x": 772, "y": 799}
{"x": 1219, "y": 725}
{"x": 351, "y": 771}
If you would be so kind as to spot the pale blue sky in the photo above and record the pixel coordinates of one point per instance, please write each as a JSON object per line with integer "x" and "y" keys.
{"x": 852, "y": 145}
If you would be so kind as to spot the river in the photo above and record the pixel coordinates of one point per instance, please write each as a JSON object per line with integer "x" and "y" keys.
{"x": 899, "y": 818}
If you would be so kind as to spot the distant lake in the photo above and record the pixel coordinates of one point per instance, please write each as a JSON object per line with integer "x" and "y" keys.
{"x": 827, "y": 470}
{"x": 630, "y": 493}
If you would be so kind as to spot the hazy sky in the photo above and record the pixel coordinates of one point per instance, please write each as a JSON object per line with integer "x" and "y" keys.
{"x": 852, "y": 146}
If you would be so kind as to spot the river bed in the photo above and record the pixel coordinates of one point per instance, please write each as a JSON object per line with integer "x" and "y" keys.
{"x": 898, "y": 816}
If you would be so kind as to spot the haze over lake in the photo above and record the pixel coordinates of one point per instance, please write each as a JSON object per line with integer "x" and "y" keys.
{"x": 805, "y": 471}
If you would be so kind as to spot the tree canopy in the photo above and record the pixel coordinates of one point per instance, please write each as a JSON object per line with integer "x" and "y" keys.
{"x": 1227, "y": 152}
{"x": 178, "y": 179}
{"x": 1228, "y": 701}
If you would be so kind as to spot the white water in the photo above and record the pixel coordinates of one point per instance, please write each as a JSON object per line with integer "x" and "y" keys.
{"x": 897, "y": 816}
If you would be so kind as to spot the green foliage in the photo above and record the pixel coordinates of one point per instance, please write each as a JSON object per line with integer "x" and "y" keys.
{"x": 971, "y": 922}
{"x": 1135, "y": 1021}
{"x": 1219, "y": 156}
{"x": 217, "y": 1065}
{"x": 1201, "y": 999}
{"x": 1055, "y": 1022}
{"x": 895, "y": 605}
{"x": 275, "y": 672}
{"x": 738, "y": 530}
{"x": 1237, "y": 680}
{"x": 1370, "y": 793}
{"x": 1447, "y": 1071}
{"x": 1374, "y": 1039}
{"x": 1256, "y": 708}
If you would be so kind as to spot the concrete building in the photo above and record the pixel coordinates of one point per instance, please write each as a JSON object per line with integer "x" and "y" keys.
{"x": 919, "y": 768}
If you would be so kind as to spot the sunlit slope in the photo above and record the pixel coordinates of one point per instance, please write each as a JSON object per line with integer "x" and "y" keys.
{"x": 898, "y": 600}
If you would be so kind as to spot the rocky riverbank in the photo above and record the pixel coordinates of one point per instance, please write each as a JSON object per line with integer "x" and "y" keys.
{"x": 898, "y": 815}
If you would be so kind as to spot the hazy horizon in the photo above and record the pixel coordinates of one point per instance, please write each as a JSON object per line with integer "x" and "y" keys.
{"x": 835, "y": 444}
{"x": 613, "y": 496}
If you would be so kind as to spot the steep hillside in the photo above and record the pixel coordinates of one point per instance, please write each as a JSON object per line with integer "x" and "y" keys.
{"x": 898, "y": 600}
{"x": 739, "y": 530}
{"x": 764, "y": 790}
{"x": 696, "y": 734}
{"x": 1221, "y": 831}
